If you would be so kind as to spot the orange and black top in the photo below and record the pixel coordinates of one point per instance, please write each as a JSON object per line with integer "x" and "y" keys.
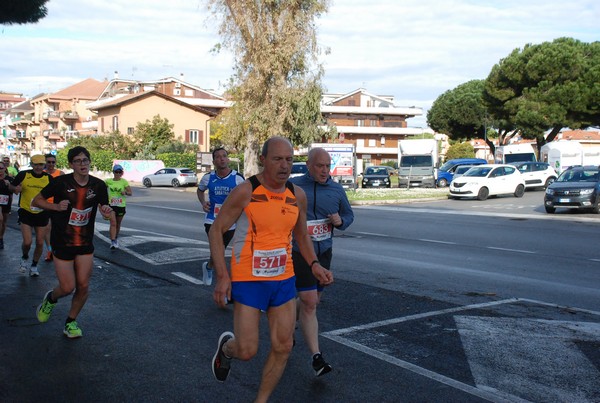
{"x": 262, "y": 243}
{"x": 75, "y": 226}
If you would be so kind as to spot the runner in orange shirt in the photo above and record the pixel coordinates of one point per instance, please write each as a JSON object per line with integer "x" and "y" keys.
{"x": 267, "y": 210}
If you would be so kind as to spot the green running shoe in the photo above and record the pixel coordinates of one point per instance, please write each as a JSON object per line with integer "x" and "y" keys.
{"x": 45, "y": 308}
{"x": 72, "y": 331}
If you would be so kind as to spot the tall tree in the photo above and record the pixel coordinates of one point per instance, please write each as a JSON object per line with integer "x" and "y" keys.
{"x": 460, "y": 113}
{"x": 541, "y": 89}
{"x": 276, "y": 84}
{"x": 22, "y": 11}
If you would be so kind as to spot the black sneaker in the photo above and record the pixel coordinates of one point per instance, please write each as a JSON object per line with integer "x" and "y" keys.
{"x": 220, "y": 363}
{"x": 319, "y": 365}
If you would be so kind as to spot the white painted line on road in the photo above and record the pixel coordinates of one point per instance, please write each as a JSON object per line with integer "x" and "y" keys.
{"x": 417, "y": 316}
{"x": 489, "y": 396}
{"x": 436, "y": 241}
{"x": 558, "y": 332}
{"x": 595, "y": 260}
{"x": 373, "y": 233}
{"x": 510, "y": 250}
{"x": 187, "y": 277}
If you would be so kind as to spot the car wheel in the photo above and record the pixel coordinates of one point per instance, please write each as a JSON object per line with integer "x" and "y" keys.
{"x": 519, "y": 191}
{"x": 549, "y": 182}
{"x": 550, "y": 210}
{"x": 147, "y": 183}
{"x": 442, "y": 183}
{"x": 596, "y": 208}
{"x": 175, "y": 183}
{"x": 483, "y": 193}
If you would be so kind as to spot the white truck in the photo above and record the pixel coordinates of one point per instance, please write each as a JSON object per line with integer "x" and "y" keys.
{"x": 343, "y": 163}
{"x": 417, "y": 161}
{"x": 562, "y": 154}
{"x": 511, "y": 153}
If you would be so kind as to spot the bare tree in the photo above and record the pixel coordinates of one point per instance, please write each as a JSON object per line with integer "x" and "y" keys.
{"x": 276, "y": 84}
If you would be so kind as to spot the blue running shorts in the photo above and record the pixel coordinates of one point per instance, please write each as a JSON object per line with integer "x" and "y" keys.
{"x": 263, "y": 294}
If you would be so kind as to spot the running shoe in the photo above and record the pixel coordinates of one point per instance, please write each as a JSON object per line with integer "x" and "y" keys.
{"x": 207, "y": 274}
{"x": 45, "y": 308}
{"x": 220, "y": 363}
{"x": 33, "y": 271}
{"x": 113, "y": 244}
{"x": 320, "y": 366}
{"x": 72, "y": 331}
{"x": 48, "y": 257}
{"x": 23, "y": 267}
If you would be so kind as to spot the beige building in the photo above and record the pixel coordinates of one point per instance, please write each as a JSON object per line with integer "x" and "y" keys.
{"x": 190, "y": 123}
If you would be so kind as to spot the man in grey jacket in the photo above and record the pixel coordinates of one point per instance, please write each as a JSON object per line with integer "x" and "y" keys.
{"x": 327, "y": 208}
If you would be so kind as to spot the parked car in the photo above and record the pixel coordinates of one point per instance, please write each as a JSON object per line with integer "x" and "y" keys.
{"x": 376, "y": 177}
{"x": 461, "y": 170}
{"x": 446, "y": 172}
{"x": 298, "y": 169}
{"x": 488, "y": 180}
{"x": 536, "y": 174}
{"x": 577, "y": 187}
{"x": 171, "y": 177}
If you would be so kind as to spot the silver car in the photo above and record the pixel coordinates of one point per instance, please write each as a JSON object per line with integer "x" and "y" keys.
{"x": 171, "y": 177}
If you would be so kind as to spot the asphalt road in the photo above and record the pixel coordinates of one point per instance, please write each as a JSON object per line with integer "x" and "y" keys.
{"x": 397, "y": 325}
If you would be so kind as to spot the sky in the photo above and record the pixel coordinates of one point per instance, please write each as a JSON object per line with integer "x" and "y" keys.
{"x": 411, "y": 50}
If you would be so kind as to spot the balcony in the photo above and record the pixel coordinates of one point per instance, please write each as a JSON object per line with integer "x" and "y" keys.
{"x": 71, "y": 134}
{"x": 51, "y": 115}
{"x": 70, "y": 115}
{"x": 53, "y": 132}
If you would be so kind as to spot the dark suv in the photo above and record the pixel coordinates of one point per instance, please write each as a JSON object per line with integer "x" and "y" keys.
{"x": 578, "y": 187}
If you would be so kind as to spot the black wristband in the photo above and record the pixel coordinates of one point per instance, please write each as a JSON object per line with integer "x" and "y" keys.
{"x": 313, "y": 263}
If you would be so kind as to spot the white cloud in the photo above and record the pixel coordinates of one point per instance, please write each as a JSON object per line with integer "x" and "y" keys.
{"x": 413, "y": 50}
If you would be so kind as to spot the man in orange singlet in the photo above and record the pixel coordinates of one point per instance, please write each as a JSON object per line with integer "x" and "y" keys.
{"x": 267, "y": 210}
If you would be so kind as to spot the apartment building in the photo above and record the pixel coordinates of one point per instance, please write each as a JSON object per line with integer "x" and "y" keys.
{"x": 372, "y": 123}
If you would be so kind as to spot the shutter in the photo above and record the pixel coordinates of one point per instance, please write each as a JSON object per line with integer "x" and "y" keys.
{"x": 187, "y": 136}
{"x": 200, "y": 137}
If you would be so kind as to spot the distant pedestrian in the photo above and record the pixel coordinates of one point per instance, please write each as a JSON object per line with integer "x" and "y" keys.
{"x": 77, "y": 198}
{"x": 118, "y": 190}
{"x": 27, "y": 184}
{"x": 53, "y": 172}
{"x": 219, "y": 183}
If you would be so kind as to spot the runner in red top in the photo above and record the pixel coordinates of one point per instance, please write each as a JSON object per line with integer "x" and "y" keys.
{"x": 77, "y": 198}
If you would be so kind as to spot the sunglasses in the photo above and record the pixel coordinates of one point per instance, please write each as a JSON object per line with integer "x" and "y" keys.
{"x": 118, "y": 172}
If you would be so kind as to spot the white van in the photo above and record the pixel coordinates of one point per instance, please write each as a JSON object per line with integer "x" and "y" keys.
{"x": 512, "y": 153}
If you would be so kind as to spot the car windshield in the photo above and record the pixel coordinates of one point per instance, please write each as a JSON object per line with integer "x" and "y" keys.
{"x": 478, "y": 171}
{"x": 446, "y": 166}
{"x": 416, "y": 161}
{"x": 579, "y": 175}
{"x": 376, "y": 171}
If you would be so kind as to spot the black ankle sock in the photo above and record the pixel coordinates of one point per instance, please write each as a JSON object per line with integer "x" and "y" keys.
{"x": 33, "y": 263}
{"x": 69, "y": 320}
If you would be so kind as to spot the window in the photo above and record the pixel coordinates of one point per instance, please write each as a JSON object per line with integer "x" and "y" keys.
{"x": 115, "y": 123}
{"x": 373, "y": 123}
{"x": 193, "y": 136}
{"x": 360, "y": 122}
{"x": 372, "y": 143}
{"x": 130, "y": 130}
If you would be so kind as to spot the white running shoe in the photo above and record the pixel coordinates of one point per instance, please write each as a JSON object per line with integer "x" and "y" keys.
{"x": 207, "y": 274}
{"x": 23, "y": 267}
{"x": 33, "y": 271}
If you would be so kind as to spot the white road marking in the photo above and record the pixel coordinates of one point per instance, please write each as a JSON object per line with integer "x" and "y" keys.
{"x": 372, "y": 233}
{"x": 510, "y": 250}
{"x": 479, "y": 333}
{"x": 191, "y": 279}
{"x": 436, "y": 241}
{"x": 531, "y": 357}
